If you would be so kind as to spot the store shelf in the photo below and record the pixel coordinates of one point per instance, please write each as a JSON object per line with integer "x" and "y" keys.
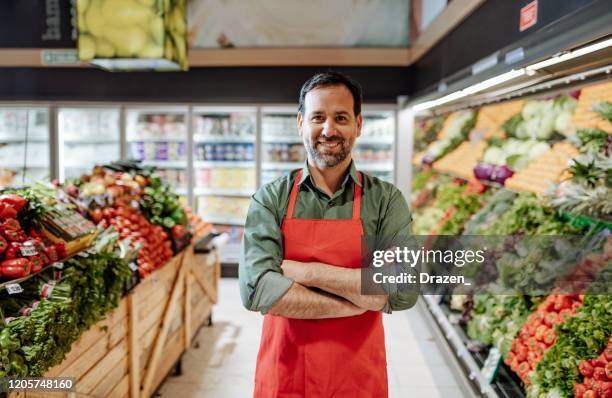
{"x": 10, "y": 140}
{"x": 281, "y": 165}
{"x": 156, "y": 139}
{"x": 374, "y": 141}
{"x": 20, "y": 166}
{"x": 223, "y": 192}
{"x": 91, "y": 141}
{"x": 166, "y": 164}
{"x": 374, "y": 166}
{"x": 221, "y": 163}
{"x": 181, "y": 191}
{"x": 223, "y": 220}
{"x": 224, "y": 139}
{"x": 282, "y": 139}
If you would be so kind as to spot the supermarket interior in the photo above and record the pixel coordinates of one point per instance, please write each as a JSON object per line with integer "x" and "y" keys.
{"x": 141, "y": 139}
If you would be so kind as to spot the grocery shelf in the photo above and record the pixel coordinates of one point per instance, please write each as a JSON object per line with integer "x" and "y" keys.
{"x": 374, "y": 166}
{"x": 223, "y": 192}
{"x": 223, "y": 163}
{"x": 374, "y": 140}
{"x": 7, "y": 140}
{"x": 156, "y": 139}
{"x": 91, "y": 141}
{"x": 224, "y": 139}
{"x": 223, "y": 220}
{"x": 281, "y": 165}
{"x": 181, "y": 191}
{"x": 167, "y": 164}
{"x": 282, "y": 139}
{"x": 27, "y": 166}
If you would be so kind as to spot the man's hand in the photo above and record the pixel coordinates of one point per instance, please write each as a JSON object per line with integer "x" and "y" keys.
{"x": 343, "y": 282}
{"x": 297, "y": 271}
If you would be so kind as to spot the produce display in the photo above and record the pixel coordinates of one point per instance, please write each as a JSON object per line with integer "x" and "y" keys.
{"x": 426, "y": 131}
{"x": 538, "y": 334}
{"x": 24, "y": 248}
{"x": 66, "y": 271}
{"x": 545, "y": 170}
{"x": 543, "y": 297}
{"x": 126, "y": 29}
{"x": 456, "y": 129}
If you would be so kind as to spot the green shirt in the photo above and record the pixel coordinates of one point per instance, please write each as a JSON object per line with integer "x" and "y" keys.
{"x": 384, "y": 212}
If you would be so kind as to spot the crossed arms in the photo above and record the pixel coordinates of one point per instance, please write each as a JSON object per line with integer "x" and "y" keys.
{"x": 339, "y": 294}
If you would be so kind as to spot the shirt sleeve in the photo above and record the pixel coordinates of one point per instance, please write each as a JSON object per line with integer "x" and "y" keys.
{"x": 260, "y": 277}
{"x": 396, "y": 230}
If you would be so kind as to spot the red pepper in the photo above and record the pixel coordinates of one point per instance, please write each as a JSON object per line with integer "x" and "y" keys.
{"x": 608, "y": 353}
{"x": 13, "y": 251}
{"x": 16, "y": 268}
{"x": 3, "y": 245}
{"x": 13, "y": 200}
{"x": 51, "y": 252}
{"x": 11, "y": 224}
{"x": 608, "y": 369}
{"x": 599, "y": 374}
{"x": 36, "y": 263}
{"x": 549, "y": 337}
{"x": 15, "y": 236}
{"x": 551, "y": 319}
{"x": 579, "y": 390}
{"x": 8, "y": 212}
{"x": 61, "y": 250}
{"x": 585, "y": 368}
{"x": 44, "y": 258}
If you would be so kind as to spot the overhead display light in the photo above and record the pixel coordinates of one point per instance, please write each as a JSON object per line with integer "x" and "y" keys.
{"x": 530, "y": 70}
{"x": 570, "y": 55}
{"x": 133, "y": 35}
{"x": 476, "y": 88}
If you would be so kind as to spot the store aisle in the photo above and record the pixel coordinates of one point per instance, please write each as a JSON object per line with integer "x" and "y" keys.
{"x": 221, "y": 361}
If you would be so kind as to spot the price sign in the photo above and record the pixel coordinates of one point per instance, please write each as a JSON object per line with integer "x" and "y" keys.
{"x": 489, "y": 369}
{"x": 28, "y": 249}
{"x": 14, "y": 288}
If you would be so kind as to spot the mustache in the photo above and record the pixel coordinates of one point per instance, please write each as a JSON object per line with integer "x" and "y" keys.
{"x": 332, "y": 139}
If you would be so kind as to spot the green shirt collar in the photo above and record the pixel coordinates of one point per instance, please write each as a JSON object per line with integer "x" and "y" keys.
{"x": 352, "y": 174}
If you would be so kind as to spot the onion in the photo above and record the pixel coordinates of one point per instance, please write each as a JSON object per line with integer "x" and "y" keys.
{"x": 501, "y": 174}
{"x": 483, "y": 171}
{"x": 427, "y": 160}
{"x": 575, "y": 94}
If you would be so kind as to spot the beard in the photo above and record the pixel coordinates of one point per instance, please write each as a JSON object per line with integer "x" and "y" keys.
{"x": 328, "y": 157}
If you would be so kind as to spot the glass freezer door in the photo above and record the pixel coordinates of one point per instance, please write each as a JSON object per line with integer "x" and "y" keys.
{"x": 373, "y": 150}
{"x": 282, "y": 148}
{"x": 87, "y": 137}
{"x": 24, "y": 145}
{"x": 158, "y": 137}
{"x": 224, "y": 170}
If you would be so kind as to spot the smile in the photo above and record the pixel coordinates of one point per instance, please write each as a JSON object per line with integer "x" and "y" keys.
{"x": 332, "y": 144}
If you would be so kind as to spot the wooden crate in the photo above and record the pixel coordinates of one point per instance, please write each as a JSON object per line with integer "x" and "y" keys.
{"x": 121, "y": 356}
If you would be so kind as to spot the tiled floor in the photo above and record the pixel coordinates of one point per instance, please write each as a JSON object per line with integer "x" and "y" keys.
{"x": 221, "y": 362}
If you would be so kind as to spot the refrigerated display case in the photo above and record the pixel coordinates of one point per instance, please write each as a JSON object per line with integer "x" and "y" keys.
{"x": 87, "y": 137}
{"x": 373, "y": 152}
{"x": 158, "y": 137}
{"x": 224, "y": 176}
{"x": 283, "y": 149}
{"x": 24, "y": 145}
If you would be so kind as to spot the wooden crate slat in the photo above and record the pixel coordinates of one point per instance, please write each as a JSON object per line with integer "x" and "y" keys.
{"x": 100, "y": 372}
{"x": 112, "y": 379}
{"x": 122, "y": 389}
{"x": 88, "y": 338}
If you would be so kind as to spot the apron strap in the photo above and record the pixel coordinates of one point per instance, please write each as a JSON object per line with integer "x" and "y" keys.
{"x": 293, "y": 196}
{"x": 356, "y": 197}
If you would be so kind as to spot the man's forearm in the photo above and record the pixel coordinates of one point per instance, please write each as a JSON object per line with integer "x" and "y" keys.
{"x": 300, "y": 302}
{"x": 345, "y": 282}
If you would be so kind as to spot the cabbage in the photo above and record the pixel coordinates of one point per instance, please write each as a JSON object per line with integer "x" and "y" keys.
{"x": 563, "y": 123}
{"x": 538, "y": 149}
{"x": 494, "y": 155}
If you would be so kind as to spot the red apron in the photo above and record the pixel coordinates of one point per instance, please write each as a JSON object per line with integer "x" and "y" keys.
{"x": 337, "y": 357}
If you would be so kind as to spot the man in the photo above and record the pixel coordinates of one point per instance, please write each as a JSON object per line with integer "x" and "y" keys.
{"x": 301, "y": 256}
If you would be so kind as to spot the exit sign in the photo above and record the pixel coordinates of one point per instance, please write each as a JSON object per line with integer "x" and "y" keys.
{"x": 529, "y": 16}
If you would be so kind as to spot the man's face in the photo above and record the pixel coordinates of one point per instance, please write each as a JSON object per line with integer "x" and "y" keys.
{"x": 329, "y": 126}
